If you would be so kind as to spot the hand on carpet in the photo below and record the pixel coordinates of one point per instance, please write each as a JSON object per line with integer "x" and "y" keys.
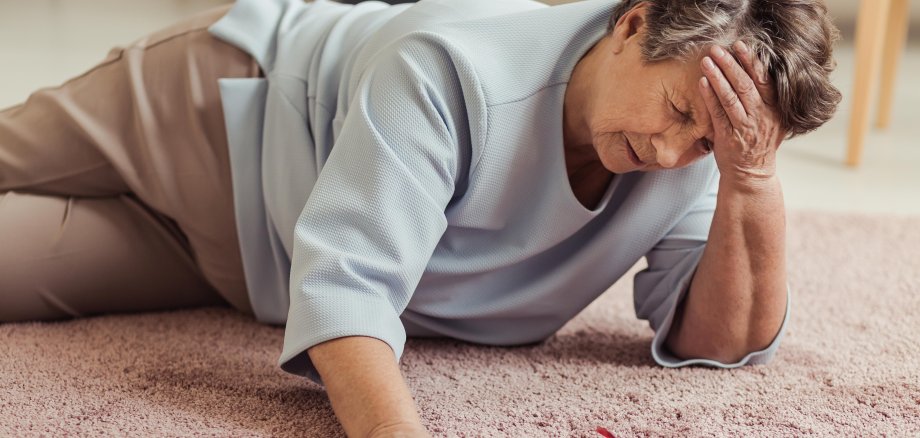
{"x": 400, "y": 430}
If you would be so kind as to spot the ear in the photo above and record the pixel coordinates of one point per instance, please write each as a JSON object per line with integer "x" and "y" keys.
{"x": 628, "y": 27}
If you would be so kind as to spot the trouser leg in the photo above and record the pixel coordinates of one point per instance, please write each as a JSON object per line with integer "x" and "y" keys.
{"x": 77, "y": 256}
{"x": 146, "y": 121}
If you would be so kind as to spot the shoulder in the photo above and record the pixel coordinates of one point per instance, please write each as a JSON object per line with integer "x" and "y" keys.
{"x": 517, "y": 51}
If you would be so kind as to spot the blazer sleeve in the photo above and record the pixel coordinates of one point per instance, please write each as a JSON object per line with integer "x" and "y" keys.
{"x": 664, "y": 284}
{"x": 376, "y": 213}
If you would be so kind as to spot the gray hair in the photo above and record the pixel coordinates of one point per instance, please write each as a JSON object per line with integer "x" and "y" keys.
{"x": 793, "y": 39}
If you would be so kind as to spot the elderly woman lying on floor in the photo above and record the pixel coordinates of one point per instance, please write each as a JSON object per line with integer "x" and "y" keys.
{"x": 474, "y": 169}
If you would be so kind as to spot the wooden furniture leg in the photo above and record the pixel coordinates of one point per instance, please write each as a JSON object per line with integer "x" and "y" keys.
{"x": 895, "y": 37}
{"x": 870, "y": 32}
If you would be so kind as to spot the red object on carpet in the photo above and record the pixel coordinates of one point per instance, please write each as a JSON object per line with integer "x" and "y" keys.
{"x": 605, "y": 432}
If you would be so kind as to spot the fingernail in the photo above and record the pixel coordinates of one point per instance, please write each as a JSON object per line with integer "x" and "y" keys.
{"x": 741, "y": 47}
{"x": 704, "y": 82}
{"x": 707, "y": 62}
{"x": 718, "y": 51}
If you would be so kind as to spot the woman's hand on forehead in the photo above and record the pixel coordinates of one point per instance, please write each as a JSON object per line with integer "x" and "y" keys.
{"x": 741, "y": 99}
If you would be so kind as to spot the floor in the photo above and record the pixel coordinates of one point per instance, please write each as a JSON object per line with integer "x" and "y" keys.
{"x": 44, "y": 42}
{"x": 847, "y": 366}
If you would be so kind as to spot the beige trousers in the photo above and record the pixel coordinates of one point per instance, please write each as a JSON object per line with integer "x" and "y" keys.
{"x": 115, "y": 190}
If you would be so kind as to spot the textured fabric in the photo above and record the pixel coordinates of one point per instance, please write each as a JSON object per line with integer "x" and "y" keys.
{"x": 119, "y": 180}
{"x": 70, "y": 257}
{"x": 847, "y": 368}
{"x": 405, "y": 176}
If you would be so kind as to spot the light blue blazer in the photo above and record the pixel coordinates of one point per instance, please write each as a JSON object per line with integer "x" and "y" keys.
{"x": 400, "y": 172}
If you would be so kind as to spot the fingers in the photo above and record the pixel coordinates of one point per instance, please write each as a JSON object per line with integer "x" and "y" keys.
{"x": 728, "y": 100}
{"x": 741, "y": 80}
{"x": 756, "y": 70}
{"x": 720, "y": 122}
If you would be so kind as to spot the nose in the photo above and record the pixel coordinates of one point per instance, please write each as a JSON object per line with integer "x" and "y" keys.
{"x": 668, "y": 149}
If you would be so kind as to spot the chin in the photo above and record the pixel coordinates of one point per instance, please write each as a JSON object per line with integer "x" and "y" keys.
{"x": 612, "y": 151}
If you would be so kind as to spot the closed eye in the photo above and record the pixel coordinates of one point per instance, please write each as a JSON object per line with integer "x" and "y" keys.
{"x": 685, "y": 117}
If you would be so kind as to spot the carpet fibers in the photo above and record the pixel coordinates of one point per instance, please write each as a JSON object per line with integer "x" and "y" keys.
{"x": 849, "y": 365}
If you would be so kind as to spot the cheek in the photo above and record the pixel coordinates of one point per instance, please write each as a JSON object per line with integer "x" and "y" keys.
{"x": 610, "y": 149}
{"x": 633, "y": 109}
{"x": 641, "y": 121}
{"x": 649, "y": 119}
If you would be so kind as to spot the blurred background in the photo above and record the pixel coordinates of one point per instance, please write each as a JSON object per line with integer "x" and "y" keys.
{"x": 45, "y": 42}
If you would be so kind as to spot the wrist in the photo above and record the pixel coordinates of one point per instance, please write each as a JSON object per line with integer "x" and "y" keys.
{"x": 753, "y": 186}
{"x": 404, "y": 429}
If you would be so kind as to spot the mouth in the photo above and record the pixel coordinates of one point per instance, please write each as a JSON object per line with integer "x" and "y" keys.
{"x": 631, "y": 154}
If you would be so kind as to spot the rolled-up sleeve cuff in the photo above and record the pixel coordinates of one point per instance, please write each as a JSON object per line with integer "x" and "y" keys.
{"x": 318, "y": 319}
{"x": 664, "y": 358}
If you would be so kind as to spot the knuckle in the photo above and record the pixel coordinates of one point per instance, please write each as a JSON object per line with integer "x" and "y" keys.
{"x": 746, "y": 88}
{"x": 731, "y": 99}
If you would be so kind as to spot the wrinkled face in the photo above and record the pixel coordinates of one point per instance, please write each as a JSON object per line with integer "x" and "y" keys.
{"x": 649, "y": 116}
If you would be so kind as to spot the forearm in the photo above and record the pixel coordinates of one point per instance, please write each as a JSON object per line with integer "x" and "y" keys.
{"x": 366, "y": 388}
{"x": 737, "y": 297}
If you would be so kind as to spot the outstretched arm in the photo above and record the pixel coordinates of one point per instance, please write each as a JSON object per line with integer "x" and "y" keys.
{"x": 367, "y": 231}
{"x": 368, "y": 393}
{"x": 737, "y": 298}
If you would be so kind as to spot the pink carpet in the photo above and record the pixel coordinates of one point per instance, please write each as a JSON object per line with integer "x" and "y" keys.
{"x": 849, "y": 366}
